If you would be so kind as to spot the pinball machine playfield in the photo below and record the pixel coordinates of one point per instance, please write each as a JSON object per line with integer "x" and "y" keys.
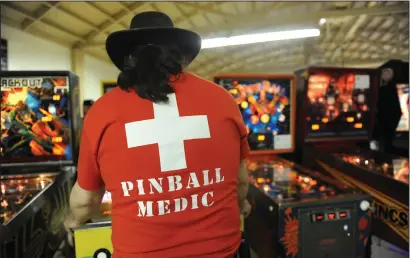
{"x": 39, "y": 124}
{"x": 335, "y": 124}
{"x": 288, "y": 201}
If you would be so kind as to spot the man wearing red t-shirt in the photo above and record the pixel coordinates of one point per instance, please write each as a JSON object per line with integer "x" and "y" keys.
{"x": 168, "y": 145}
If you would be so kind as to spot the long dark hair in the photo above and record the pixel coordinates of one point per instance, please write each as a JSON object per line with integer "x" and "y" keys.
{"x": 149, "y": 69}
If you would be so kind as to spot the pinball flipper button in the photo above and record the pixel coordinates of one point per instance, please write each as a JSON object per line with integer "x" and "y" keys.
{"x": 270, "y": 208}
{"x": 365, "y": 205}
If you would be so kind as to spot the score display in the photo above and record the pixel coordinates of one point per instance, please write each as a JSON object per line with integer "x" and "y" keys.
{"x": 266, "y": 108}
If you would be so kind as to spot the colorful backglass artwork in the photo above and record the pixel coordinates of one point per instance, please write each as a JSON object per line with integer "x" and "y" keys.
{"x": 35, "y": 124}
{"x": 265, "y": 105}
{"x": 338, "y": 105}
{"x": 403, "y": 93}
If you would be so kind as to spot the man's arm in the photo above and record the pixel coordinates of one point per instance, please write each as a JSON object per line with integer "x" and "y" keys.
{"x": 84, "y": 204}
{"x": 242, "y": 185}
{"x": 87, "y": 193}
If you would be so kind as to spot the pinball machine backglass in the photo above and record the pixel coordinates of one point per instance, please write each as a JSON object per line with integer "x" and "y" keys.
{"x": 335, "y": 125}
{"x": 35, "y": 120}
{"x": 289, "y": 201}
{"x": 39, "y": 125}
{"x": 264, "y": 102}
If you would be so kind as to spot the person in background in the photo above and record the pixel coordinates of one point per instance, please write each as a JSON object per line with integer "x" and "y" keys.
{"x": 87, "y": 103}
{"x": 169, "y": 146}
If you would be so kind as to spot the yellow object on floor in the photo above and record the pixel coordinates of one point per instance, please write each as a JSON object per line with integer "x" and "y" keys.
{"x": 95, "y": 238}
{"x": 92, "y": 240}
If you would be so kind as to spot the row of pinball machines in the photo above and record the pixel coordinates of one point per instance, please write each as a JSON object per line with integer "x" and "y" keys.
{"x": 299, "y": 210}
{"x": 40, "y": 120}
{"x": 296, "y": 212}
{"x": 337, "y": 129}
{"x": 289, "y": 202}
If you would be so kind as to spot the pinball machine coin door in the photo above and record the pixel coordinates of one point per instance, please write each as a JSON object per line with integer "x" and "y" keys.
{"x": 37, "y": 150}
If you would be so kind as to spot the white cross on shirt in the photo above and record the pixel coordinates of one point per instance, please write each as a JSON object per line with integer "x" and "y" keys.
{"x": 169, "y": 131}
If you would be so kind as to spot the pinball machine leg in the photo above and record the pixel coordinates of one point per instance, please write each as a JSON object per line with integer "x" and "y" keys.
{"x": 369, "y": 247}
{"x": 244, "y": 249}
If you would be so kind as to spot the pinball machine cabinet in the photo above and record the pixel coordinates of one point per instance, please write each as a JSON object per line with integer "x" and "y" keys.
{"x": 338, "y": 146}
{"x": 40, "y": 121}
{"x": 288, "y": 201}
{"x": 391, "y": 132}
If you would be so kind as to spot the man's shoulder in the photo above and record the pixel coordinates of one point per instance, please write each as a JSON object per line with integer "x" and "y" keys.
{"x": 108, "y": 100}
{"x": 199, "y": 80}
{"x": 105, "y": 105}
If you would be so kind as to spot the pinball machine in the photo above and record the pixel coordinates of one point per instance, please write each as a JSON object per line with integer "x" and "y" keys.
{"x": 295, "y": 212}
{"x": 336, "y": 116}
{"x": 39, "y": 123}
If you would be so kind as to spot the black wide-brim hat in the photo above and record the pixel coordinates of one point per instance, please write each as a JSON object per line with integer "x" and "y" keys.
{"x": 154, "y": 28}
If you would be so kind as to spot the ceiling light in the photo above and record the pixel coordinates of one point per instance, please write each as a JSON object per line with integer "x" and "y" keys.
{"x": 322, "y": 21}
{"x": 259, "y": 38}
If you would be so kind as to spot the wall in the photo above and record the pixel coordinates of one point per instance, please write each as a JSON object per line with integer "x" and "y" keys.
{"x": 28, "y": 52}
{"x": 96, "y": 71}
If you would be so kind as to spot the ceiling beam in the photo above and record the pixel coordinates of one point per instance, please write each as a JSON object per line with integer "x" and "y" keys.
{"x": 250, "y": 52}
{"x": 110, "y": 21}
{"x": 258, "y": 20}
{"x": 184, "y": 14}
{"x": 208, "y": 9}
{"x": 61, "y": 8}
{"x": 290, "y": 68}
{"x": 39, "y": 14}
{"x": 365, "y": 41}
{"x": 275, "y": 6}
{"x": 33, "y": 31}
{"x": 120, "y": 15}
{"x": 340, "y": 33}
{"x": 47, "y": 22}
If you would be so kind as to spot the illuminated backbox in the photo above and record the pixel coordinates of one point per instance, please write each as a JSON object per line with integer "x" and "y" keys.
{"x": 335, "y": 103}
{"x": 267, "y": 105}
{"x": 39, "y": 119}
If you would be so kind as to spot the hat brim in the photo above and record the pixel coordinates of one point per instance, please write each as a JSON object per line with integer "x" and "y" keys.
{"x": 120, "y": 44}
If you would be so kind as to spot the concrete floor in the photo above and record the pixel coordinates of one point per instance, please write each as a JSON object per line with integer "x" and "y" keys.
{"x": 381, "y": 249}
{"x": 253, "y": 254}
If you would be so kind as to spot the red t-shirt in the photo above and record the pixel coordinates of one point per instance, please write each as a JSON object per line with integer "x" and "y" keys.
{"x": 172, "y": 169}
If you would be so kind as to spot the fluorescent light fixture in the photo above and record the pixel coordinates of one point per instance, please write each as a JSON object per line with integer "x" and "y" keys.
{"x": 259, "y": 38}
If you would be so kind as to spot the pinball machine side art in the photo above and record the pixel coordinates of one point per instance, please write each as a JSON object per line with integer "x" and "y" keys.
{"x": 76, "y": 116}
{"x": 3, "y": 55}
{"x": 107, "y": 85}
{"x": 42, "y": 235}
{"x": 290, "y": 234}
{"x": 390, "y": 212}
